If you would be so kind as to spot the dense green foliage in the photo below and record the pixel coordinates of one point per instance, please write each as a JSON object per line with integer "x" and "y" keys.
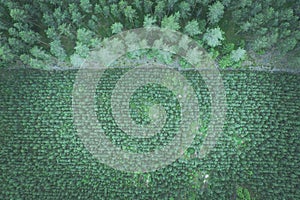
{"x": 43, "y": 158}
{"x": 57, "y": 33}
{"x": 243, "y": 194}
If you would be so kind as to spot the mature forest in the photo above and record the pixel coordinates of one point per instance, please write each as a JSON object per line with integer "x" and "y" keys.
{"x": 47, "y": 33}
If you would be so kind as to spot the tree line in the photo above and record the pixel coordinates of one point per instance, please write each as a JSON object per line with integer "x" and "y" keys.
{"x": 54, "y": 32}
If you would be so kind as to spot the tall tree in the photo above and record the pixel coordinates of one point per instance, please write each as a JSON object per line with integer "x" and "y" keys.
{"x": 130, "y": 13}
{"x": 185, "y": 9}
{"x": 192, "y": 28}
{"x": 57, "y": 50}
{"x": 86, "y": 6}
{"x": 116, "y": 27}
{"x": 171, "y": 22}
{"x": 149, "y": 21}
{"x": 216, "y": 12}
{"x": 84, "y": 36}
{"x": 160, "y": 9}
{"x": 82, "y": 49}
{"x": 237, "y": 55}
{"x": 213, "y": 37}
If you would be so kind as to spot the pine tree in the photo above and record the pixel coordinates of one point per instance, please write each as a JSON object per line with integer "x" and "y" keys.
{"x": 160, "y": 9}
{"x": 192, "y": 28}
{"x": 213, "y": 37}
{"x": 57, "y": 50}
{"x": 130, "y": 13}
{"x": 185, "y": 9}
{"x": 171, "y": 22}
{"x": 86, "y": 6}
{"x": 216, "y": 12}
{"x": 84, "y": 36}
{"x": 116, "y": 28}
{"x": 149, "y": 21}
{"x": 237, "y": 55}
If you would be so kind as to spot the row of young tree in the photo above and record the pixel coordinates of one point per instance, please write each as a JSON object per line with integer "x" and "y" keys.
{"x": 54, "y": 32}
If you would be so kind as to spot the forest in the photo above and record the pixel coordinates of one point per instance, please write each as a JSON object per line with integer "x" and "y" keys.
{"x": 238, "y": 34}
{"x": 229, "y": 132}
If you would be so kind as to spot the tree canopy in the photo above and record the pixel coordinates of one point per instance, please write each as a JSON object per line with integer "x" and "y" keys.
{"x": 61, "y": 29}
